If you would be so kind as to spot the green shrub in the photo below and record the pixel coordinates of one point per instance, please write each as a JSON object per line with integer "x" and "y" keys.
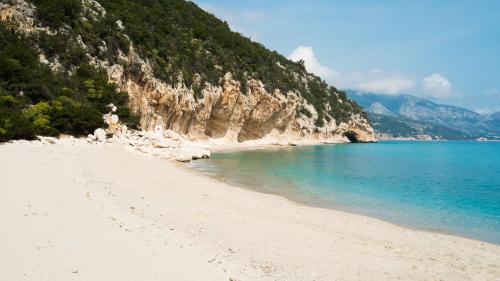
{"x": 56, "y": 13}
{"x": 34, "y": 100}
{"x": 14, "y": 125}
{"x": 74, "y": 117}
{"x": 39, "y": 114}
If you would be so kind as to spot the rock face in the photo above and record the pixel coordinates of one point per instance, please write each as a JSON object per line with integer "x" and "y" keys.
{"x": 226, "y": 112}
{"x": 222, "y": 112}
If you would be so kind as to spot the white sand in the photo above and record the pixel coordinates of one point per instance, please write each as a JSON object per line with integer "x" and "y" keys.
{"x": 103, "y": 213}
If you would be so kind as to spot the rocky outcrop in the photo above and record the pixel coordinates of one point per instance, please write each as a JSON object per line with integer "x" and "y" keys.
{"x": 226, "y": 112}
{"x": 164, "y": 144}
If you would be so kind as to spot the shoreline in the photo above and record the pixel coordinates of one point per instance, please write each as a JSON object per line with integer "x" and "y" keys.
{"x": 311, "y": 201}
{"x": 103, "y": 209}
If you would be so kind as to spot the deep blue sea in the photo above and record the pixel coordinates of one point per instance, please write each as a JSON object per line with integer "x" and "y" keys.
{"x": 451, "y": 187}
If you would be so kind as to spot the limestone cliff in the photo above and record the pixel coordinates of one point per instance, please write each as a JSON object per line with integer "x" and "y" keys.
{"x": 226, "y": 112}
{"x": 223, "y": 109}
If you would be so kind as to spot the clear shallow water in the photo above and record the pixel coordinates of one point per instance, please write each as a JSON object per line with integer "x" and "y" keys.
{"x": 452, "y": 187}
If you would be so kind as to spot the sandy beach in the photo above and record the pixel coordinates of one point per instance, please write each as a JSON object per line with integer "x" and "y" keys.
{"x": 101, "y": 212}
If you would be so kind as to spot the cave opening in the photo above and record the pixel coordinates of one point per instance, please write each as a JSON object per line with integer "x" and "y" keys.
{"x": 352, "y": 136}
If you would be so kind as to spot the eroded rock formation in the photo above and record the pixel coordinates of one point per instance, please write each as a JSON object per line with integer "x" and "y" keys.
{"x": 226, "y": 112}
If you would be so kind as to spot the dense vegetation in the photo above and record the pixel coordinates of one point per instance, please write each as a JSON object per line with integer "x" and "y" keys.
{"x": 177, "y": 37}
{"x": 35, "y": 100}
{"x": 180, "y": 40}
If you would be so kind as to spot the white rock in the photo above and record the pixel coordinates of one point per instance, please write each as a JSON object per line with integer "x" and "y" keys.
{"x": 111, "y": 119}
{"x": 158, "y": 133}
{"x": 43, "y": 59}
{"x": 172, "y": 135}
{"x": 114, "y": 119}
{"x": 48, "y": 140}
{"x": 145, "y": 149}
{"x": 119, "y": 24}
{"x": 112, "y": 107}
{"x": 199, "y": 153}
{"x": 124, "y": 130}
{"x": 165, "y": 144}
{"x": 100, "y": 135}
{"x": 183, "y": 157}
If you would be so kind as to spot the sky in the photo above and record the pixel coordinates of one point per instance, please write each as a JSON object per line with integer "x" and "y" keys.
{"x": 445, "y": 51}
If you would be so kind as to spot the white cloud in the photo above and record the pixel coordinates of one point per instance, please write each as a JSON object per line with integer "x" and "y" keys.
{"x": 312, "y": 63}
{"x": 437, "y": 86}
{"x": 388, "y": 85}
{"x": 493, "y": 93}
{"x": 487, "y": 110}
{"x": 376, "y": 80}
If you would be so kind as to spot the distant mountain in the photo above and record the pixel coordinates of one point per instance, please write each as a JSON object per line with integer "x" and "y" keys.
{"x": 408, "y": 116}
{"x": 494, "y": 116}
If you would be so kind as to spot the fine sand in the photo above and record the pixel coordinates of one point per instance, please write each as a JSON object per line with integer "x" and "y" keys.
{"x": 101, "y": 212}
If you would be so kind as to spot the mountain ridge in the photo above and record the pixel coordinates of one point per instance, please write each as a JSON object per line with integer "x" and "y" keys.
{"x": 423, "y": 118}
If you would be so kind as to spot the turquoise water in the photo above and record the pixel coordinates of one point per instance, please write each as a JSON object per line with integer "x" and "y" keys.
{"x": 451, "y": 187}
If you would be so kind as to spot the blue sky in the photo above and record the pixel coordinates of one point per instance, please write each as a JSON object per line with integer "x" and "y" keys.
{"x": 446, "y": 51}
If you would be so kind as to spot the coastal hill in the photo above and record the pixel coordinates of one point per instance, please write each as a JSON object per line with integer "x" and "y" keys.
{"x": 164, "y": 64}
{"x": 406, "y": 116}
